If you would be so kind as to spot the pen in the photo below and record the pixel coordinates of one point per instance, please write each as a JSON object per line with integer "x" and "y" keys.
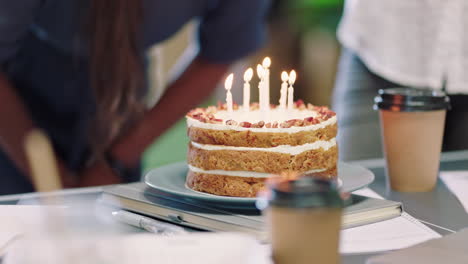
{"x": 147, "y": 223}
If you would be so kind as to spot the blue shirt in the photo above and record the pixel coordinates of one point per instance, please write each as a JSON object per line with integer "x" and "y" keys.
{"x": 44, "y": 56}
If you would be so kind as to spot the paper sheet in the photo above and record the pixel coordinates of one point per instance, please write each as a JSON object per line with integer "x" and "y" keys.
{"x": 368, "y": 192}
{"x": 457, "y": 182}
{"x": 20, "y": 219}
{"x": 30, "y": 222}
{"x": 206, "y": 248}
{"x": 449, "y": 249}
{"x": 396, "y": 233}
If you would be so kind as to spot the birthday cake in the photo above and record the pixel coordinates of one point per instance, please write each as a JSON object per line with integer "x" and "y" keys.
{"x": 234, "y": 149}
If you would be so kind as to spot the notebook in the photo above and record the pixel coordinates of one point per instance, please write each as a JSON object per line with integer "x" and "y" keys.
{"x": 139, "y": 198}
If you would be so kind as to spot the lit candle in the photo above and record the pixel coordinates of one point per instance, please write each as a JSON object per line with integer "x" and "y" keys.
{"x": 266, "y": 78}
{"x": 292, "y": 79}
{"x": 261, "y": 84}
{"x": 228, "y": 86}
{"x": 247, "y": 77}
{"x": 284, "y": 89}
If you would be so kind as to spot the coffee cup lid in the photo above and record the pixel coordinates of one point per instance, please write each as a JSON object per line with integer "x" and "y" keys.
{"x": 411, "y": 99}
{"x": 305, "y": 192}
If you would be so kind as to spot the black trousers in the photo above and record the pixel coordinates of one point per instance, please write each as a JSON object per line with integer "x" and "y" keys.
{"x": 358, "y": 124}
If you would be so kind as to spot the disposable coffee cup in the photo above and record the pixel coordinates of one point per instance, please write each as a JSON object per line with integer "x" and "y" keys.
{"x": 412, "y": 122}
{"x": 304, "y": 220}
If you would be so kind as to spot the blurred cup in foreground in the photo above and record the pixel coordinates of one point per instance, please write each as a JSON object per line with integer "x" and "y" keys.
{"x": 304, "y": 220}
{"x": 412, "y": 122}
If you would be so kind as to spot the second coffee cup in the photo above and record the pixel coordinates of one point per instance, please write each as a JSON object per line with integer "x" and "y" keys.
{"x": 304, "y": 220}
{"x": 412, "y": 122}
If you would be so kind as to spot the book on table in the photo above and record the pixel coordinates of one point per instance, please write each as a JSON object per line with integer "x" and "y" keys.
{"x": 139, "y": 198}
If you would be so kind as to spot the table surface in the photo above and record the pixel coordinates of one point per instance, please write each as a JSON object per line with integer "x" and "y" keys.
{"x": 439, "y": 209}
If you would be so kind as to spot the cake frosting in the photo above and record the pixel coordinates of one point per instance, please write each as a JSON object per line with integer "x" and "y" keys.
{"x": 241, "y": 173}
{"x": 294, "y": 129}
{"x": 275, "y": 114}
{"x": 286, "y": 149}
{"x": 233, "y": 152}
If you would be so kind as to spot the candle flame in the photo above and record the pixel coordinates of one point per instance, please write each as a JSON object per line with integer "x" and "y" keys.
{"x": 228, "y": 82}
{"x": 248, "y": 75}
{"x": 292, "y": 77}
{"x": 284, "y": 76}
{"x": 260, "y": 71}
{"x": 266, "y": 62}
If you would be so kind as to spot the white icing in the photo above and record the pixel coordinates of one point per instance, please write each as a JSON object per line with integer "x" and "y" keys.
{"x": 240, "y": 173}
{"x": 195, "y": 123}
{"x": 287, "y": 149}
{"x": 273, "y": 115}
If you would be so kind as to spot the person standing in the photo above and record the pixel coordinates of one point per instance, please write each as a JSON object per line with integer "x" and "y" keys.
{"x": 399, "y": 43}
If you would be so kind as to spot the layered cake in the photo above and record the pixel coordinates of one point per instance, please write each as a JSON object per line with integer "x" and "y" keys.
{"x": 232, "y": 152}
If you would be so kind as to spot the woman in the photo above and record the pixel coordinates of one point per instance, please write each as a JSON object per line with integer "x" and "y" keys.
{"x": 76, "y": 69}
{"x": 399, "y": 43}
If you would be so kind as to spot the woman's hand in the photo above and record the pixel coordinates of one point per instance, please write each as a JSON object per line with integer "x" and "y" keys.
{"x": 100, "y": 173}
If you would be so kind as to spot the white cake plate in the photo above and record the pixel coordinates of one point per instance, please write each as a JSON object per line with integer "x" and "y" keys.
{"x": 171, "y": 179}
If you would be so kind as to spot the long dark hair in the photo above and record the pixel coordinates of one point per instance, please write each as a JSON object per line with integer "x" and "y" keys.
{"x": 116, "y": 67}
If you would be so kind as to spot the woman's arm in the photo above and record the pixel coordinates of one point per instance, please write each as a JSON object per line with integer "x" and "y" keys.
{"x": 15, "y": 123}
{"x": 190, "y": 89}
